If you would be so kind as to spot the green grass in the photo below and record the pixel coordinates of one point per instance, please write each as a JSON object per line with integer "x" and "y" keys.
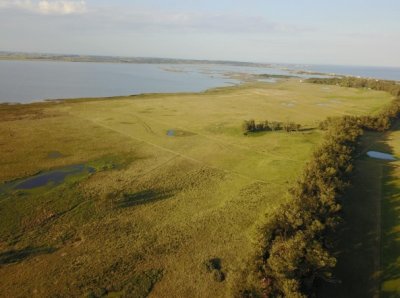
{"x": 157, "y": 203}
{"x": 387, "y": 270}
{"x": 390, "y": 250}
{"x": 357, "y": 270}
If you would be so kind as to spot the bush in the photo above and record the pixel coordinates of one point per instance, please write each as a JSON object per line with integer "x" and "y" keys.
{"x": 213, "y": 264}
{"x": 218, "y": 275}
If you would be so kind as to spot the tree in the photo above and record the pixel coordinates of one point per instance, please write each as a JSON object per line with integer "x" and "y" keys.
{"x": 274, "y": 125}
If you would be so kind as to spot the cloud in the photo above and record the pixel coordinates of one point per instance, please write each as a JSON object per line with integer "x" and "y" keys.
{"x": 110, "y": 16}
{"x": 60, "y": 7}
{"x": 197, "y": 22}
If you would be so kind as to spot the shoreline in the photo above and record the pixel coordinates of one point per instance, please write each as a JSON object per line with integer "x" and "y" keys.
{"x": 240, "y": 78}
{"x": 114, "y": 97}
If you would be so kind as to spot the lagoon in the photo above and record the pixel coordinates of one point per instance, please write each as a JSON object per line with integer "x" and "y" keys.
{"x": 25, "y": 81}
{"x": 29, "y": 81}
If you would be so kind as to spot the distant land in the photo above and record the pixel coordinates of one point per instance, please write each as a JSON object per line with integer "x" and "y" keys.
{"x": 5, "y": 55}
{"x": 375, "y": 72}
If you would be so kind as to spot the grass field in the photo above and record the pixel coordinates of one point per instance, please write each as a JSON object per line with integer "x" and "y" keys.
{"x": 176, "y": 184}
{"x": 390, "y": 250}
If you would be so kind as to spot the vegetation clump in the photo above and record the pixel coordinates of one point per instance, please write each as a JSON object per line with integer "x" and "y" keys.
{"x": 251, "y": 126}
{"x": 296, "y": 250}
{"x": 214, "y": 267}
{"x": 297, "y": 247}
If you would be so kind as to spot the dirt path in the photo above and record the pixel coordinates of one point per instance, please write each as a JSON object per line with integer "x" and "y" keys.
{"x": 223, "y": 144}
{"x": 176, "y": 153}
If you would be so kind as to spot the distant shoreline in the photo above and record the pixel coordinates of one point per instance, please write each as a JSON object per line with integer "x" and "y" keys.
{"x": 119, "y": 59}
{"x": 122, "y": 96}
{"x": 371, "y": 72}
{"x": 90, "y": 81}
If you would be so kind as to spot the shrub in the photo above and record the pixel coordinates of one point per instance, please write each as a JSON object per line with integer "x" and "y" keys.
{"x": 218, "y": 275}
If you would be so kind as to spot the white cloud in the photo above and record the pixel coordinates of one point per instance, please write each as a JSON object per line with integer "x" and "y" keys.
{"x": 63, "y": 7}
{"x": 195, "y": 22}
{"x": 23, "y": 4}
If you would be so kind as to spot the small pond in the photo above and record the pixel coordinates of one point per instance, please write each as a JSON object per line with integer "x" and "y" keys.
{"x": 380, "y": 155}
{"x": 54, "y": 154}
{"x": 179, "y": 133}
{"x": 54, "y": 177}
{"x": 170, "y": 132}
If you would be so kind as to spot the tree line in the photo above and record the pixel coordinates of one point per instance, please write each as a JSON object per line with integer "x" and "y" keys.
{"x": 381, "y": 122}
{"x": 252, "y": 126}
{"x": 391, "y": 87}
{"x": 297, "y": 247}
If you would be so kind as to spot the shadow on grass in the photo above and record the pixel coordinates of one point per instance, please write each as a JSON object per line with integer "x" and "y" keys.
{"x": 361, "y": 250}
{"x": 265, "y": 132}
{"x": 213, "y": 264}
{"x": 390, "y": 245}
{"x": 141, "y": 197}
{"x": 14, "y": 256}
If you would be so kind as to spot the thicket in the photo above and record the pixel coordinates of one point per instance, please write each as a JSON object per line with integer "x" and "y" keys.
{"x": 252, "y": 126}
{"x": 297, "y": 245}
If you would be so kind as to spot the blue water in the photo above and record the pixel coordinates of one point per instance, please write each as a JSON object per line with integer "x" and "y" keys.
{"x": 171, "y": 133}
{"x": 53, "y": 177}
{"x": 380, "y": 155}
{"x": 28, "y": 81}
{"x": 54, "y": 154}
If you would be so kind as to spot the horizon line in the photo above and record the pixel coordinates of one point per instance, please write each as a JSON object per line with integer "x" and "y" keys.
{"x": 192, "y": 59}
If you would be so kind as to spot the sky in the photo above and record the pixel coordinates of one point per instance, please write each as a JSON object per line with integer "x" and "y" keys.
{"x": 343, "y": 32}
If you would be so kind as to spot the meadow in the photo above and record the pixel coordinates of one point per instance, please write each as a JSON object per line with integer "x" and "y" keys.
{"x": 177, "y": 192}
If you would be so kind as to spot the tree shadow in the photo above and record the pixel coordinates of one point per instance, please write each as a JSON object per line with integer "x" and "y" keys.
{"x": 305, "y": 129}
{"x": 390, "y": 232}
{"x": 141, "y": 197}
{"x": 14, "y": 256}
{"x": 213, "y": 264}
{"x": 363, "y": 238}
